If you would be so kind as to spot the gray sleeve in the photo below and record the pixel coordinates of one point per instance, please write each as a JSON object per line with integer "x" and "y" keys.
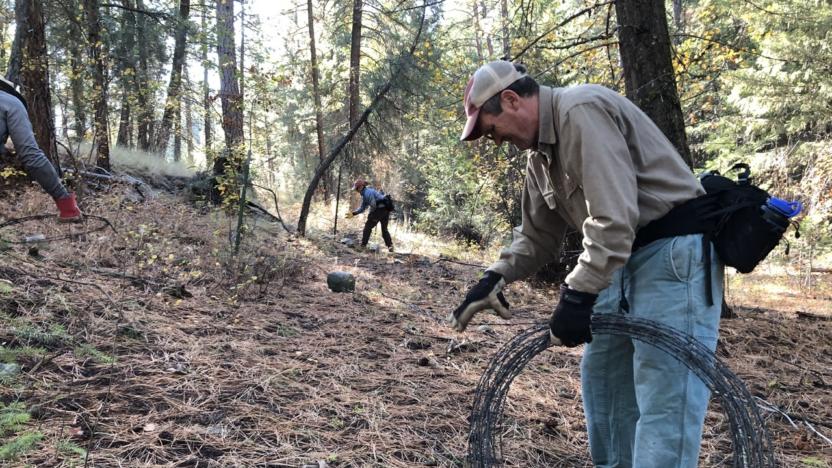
{"x": 536, "y": 242}
{"x": 34, "y": 161}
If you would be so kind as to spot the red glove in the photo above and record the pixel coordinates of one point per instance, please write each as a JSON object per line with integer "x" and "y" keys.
{"x": 68, "y": 211}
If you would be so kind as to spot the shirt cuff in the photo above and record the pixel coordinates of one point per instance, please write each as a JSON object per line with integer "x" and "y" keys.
{"x": 584, "y": 280}
{"x": 504, "y": 268}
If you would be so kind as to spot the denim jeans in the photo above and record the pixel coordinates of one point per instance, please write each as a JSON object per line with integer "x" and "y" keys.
{"x": 645, "y": 409}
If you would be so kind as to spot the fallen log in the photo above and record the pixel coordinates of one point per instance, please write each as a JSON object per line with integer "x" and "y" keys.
{"x": 142, "y": 187}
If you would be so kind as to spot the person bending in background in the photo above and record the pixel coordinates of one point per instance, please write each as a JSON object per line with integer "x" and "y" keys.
{"x": 14, "y": 123}
{"x": 380, "y": 210}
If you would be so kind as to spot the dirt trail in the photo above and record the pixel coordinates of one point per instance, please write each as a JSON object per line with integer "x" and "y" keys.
{"x": 216, "y": 366}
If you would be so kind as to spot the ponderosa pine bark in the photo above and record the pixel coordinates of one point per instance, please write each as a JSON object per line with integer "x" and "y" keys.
{"x": 172, "y": 102}
{"x": 99, "y": 67}
{"x": 644, "y": 44}
{"x": 230, "y": 96}
{"x": 34, "y": 75}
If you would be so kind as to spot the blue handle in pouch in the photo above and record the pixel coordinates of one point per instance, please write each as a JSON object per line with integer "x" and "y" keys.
{"x": 785, "y": 208}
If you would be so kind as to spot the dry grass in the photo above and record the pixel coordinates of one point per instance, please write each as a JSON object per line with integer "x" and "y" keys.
{"x": 278, "y": 371}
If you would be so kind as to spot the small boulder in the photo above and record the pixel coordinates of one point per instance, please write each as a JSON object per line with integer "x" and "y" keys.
{"x": 340, "y": 281}
{"x": 7, "y": 370}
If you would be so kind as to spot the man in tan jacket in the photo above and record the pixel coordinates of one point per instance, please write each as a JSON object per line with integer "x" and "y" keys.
{"x": 600, "y": 165}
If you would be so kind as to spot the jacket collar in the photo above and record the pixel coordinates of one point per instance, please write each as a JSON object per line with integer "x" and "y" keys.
{"x": 546, "y": 134}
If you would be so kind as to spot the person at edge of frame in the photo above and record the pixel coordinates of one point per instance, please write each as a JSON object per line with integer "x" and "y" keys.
{"x": 600, "y": 165}
{"x": 15, "y": 123}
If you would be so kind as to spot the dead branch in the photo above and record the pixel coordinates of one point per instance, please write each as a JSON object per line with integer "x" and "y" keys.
{"x": 446, "y": 259}
{"x": 137, "y": 183}
{"x": 276, "y": 207}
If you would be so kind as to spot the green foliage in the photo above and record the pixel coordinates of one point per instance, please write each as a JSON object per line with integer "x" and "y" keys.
{"x": 86, "y": 350}
{"x": 10, "y": 172}
{"x": 814, "y": 461}
{"x": 22, "y": 352}
{"x": 753, "y": 79}
{"x": 33, "y": 334}
{"x": 13, "y": 419}
{"x": 769, "y": 101}
{"x": 21, "y": 444}
{"x": 68, "y": 448}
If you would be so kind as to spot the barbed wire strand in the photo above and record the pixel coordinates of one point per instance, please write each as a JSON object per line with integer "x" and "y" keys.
{"x": 73, "y": 236}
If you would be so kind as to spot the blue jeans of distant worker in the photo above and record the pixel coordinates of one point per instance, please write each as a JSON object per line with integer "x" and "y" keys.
{"x": 645, "y": 409}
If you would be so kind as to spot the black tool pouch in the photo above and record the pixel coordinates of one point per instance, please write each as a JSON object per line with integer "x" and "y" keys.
{"x": 745, "y": 229}
{"x": 733, "y": 215}
{"x": 388, "y": 203}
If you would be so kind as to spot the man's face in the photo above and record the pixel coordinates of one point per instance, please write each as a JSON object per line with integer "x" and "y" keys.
{"x": 517, "y": 124}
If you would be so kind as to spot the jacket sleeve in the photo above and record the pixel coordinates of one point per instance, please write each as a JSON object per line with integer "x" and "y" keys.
{"x": 34, "y": 160}
{"x": 20, "y": 131}
{"x": 536, "y": 242}
{"x": 598, "y": 156}
{"x": 366, "y": 198}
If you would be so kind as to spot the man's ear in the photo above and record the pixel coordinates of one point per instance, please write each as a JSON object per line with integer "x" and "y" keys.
{"x": 509, "y": 100}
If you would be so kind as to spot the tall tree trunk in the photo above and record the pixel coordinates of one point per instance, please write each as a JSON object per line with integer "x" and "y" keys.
{"x": 64, "y": 118}
{"x": 232, "y": 109}
{"x": 648, "y": 69}
{"x": 175, "y": 85}
{"x": 98, "y": 60}
{"x": 355, "y": 61}
{"x": 353, "y": 94}
{"x": 177, "y": 135}
{"x": 142, "y": 81}
{"x": 76, "y": 84}
{"x": 488, "y": 44}
{"x": 126, "y": 74}
{"x": 78, "y": 75}
{"x": 21, "y": 12}
{"x": 206, "y": 90}
{"x": 123, "y": 138}
{"x": 678, "y": 17}
{"x": 4, "y": 30}
{"x": 187, "y": 132}
{"x": 506, "y": 27}
{"x": 316, "y": 91}
{"x": 242, "y": 72}
{"x": 34, "y": 77}
{"x": 478, "y": 34}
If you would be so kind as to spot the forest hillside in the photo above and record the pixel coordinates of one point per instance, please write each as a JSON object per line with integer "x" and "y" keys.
{"x": 136, "y": 339}
{"x": 205, "y": 299}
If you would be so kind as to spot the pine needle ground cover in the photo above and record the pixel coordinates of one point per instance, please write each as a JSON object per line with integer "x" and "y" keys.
{"x": 151, "y": 346}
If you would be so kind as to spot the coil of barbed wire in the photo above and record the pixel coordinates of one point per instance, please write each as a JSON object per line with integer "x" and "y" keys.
{"x": 749, "y": 437}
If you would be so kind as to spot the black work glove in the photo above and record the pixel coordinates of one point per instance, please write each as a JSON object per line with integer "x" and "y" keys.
{"x": 484, "y": 295}
{"x": 569, "y": 325}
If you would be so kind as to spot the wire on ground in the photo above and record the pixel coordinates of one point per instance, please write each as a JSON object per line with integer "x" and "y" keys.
{"x": 75, "y": 235}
